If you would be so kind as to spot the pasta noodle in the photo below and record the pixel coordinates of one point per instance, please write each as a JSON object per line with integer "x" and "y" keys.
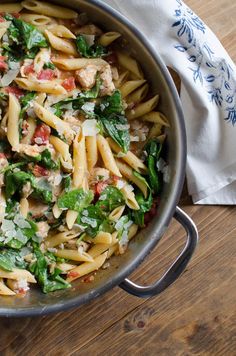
{"x": 156, "y": 118}
{"x": 107, "y": 38}
{"x": 129, "y": 63}
{"x": 11, "y": 8}
{"x": 143, "y": 108}
{"x": 92, "y": 151}
{"x": 36, "y": 19}
{"x": 60, "y": 44}
{"x": 45, "y": 8}
{"x": 107, "y": 156}
{"x": 13, "y": 121}
{"x": 49, "y": 87}
{"x": 130, "y": 86}
{"x": 78, "y": 63}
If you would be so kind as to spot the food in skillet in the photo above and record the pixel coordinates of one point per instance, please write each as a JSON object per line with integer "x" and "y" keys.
{"x": 80, "y": 147}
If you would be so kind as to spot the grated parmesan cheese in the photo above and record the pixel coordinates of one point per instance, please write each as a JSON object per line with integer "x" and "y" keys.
{"x": 90, "y": 128}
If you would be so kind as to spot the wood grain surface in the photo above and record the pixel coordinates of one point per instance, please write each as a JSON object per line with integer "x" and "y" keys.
{"x": 195, "y": 316}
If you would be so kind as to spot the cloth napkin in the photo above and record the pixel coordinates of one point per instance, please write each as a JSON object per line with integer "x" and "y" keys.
{"x": 208, "y": 92}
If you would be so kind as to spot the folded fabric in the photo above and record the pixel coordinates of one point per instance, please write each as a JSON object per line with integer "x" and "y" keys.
{"x": 208, "y": 92}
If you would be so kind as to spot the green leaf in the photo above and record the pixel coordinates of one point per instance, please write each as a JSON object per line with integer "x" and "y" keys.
{"x": 32, "y": 38}
{"x": 42, "y": 190}
{"x": 122, "y": 226}
{"x": 144, "y": 207}
{"x": 111, "y": 104}
{"x": 76, "y": 199}
{"x": 140, "y": 177}
{"x": 91, "y": 219}
{"x": 10, "y": 259}
{"x": 47, "y": 161}
{"x": 110, "y": 198}
{"x": 116, "y": 126}
{"x": 153, "y": 149}
{"x": 48, "y": 282}
{"x": 25, "y": 102}
{"x": 49, "y": 65}
{"x": 87, "y": 51}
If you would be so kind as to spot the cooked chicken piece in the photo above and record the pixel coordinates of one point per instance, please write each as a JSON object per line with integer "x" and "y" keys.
{"x": 107, "y": 87}
{"x": 43, "y": 229}
{"x": 86, "y": 77}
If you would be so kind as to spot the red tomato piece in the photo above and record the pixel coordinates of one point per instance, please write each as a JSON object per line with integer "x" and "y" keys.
{"x": 150, "y": 215}
{"x": 111, "y": 58}
{"x": 14, "y": 90}
{"x": 69, "y": 83}
{"x": 2, "y": 19}
{"x": 21, "y": 291}
{"x": 46, "y": 74}
{"x": 99, "y": 187}
{"x": 2, "y": 155}
{"x": 16, "y": 14}
{"x": 29, "y": 69}
{"x": 39, "y": 171}
{"x": 3, "y": 64}
{"x": 72, "y": 274}
{"x": 41, "y": 134}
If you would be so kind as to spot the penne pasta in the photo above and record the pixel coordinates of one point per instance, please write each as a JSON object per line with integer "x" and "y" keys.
{"x": 117, "y": 213}
{"x": 61, "y": 31}
{"x": 4, "y": 290}
{"x": 127, "y": 172}
{"x": 2, "y": 205}
{"x": 36, "y": 19}
{"x": 130, "y": 158}
{"x": 46, "y": 86}
{"x": 92, "y": 151}
{"x": 121, "y": 80}
{"x": 79, "y": 161}
{"x": 11, "y": 8}
{"x": 101, "y": 238}
{"x": 71, "y": 217}
{"x": 62, "y": 237}
{"x": 61, "y": 44}
{"x": 78, "y": 63}
{"x": 155, "y": 131}
{"x": 27, "y": 139}
{"x": 56, "y": 211}
{"x": 24, "y": 207}
{"x": 130, "y": 64}
{"x": 130, "y": 198}
{"x": 130, "y": 86}
{"x": 13, "y": 122}
{"x": 107, "y": 38}
{"x": 156, "y": 118}
{"x": 41, "y": 59}
{"x": 143, "y": 108}
{"x": 87, "y": 267}
{"x": 138, "y": 95}
{"x": 107, "y": 156}
{"x": 52, "y": 120}
{"x": 48, "y": 9}
{"x": 74, "y": 255}
{"x": 18, "y": 274}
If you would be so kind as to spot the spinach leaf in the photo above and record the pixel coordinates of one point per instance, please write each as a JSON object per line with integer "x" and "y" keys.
{"x": 10, "y": 259}
{"x": 91, "y": 219}
{"x": 76, "y": 199}
{"x": 48, "y": 282}
{"x": 67, "y": 181}
{"x": 49, "y": 65}
{"x": 87, "y": 51}
{"x": 144, "y": 206}
{"x": 116, "y": 126}
{"x": 111, "y": 104}
{"x": 25, "y": 102}
{"x": 17, "y": 231}
{"x": 32, "y": 38}
{"x": 25, "y": 40}
{"x": 47, "y": 161}
{"x": 15, "y": 181}
{"x": 153, "y": 149}
{"x": 110, "y": 198}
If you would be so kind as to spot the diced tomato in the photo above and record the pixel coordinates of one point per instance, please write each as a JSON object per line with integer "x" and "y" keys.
{"x": 3, "y": 64}
{"x": 72, "y": 274}
{"x": 2, "y": 155}
{"x": 150, "y": 215}
{"x": 99, "y": 187}
{"x": 21, "y": 291}
{"x": 47, "y": 74}
{"x": 41, "y": 134}
{"x": 111, "y": 58}
{"x": 16, "y": 14}
{"x": 29, "y": 69}
{"x": 39, "y": 171}
{"x": 2, "y": 19}
{"x": 115, "y": 178}
{"x": 15, "y": 90}
{"x": 69, "y": 83}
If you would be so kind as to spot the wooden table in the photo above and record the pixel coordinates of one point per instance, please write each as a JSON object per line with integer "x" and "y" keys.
{"x": 196, "y": 316}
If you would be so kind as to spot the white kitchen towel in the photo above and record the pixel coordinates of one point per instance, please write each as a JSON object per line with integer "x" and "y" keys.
{"x": 208, "y": 92}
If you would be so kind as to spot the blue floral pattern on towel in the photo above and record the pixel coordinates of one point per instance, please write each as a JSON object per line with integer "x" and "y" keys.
{"x": 220, "y": 81}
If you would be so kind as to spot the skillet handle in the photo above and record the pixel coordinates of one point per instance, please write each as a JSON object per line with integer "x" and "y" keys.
{"x": 175, "y": 269}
